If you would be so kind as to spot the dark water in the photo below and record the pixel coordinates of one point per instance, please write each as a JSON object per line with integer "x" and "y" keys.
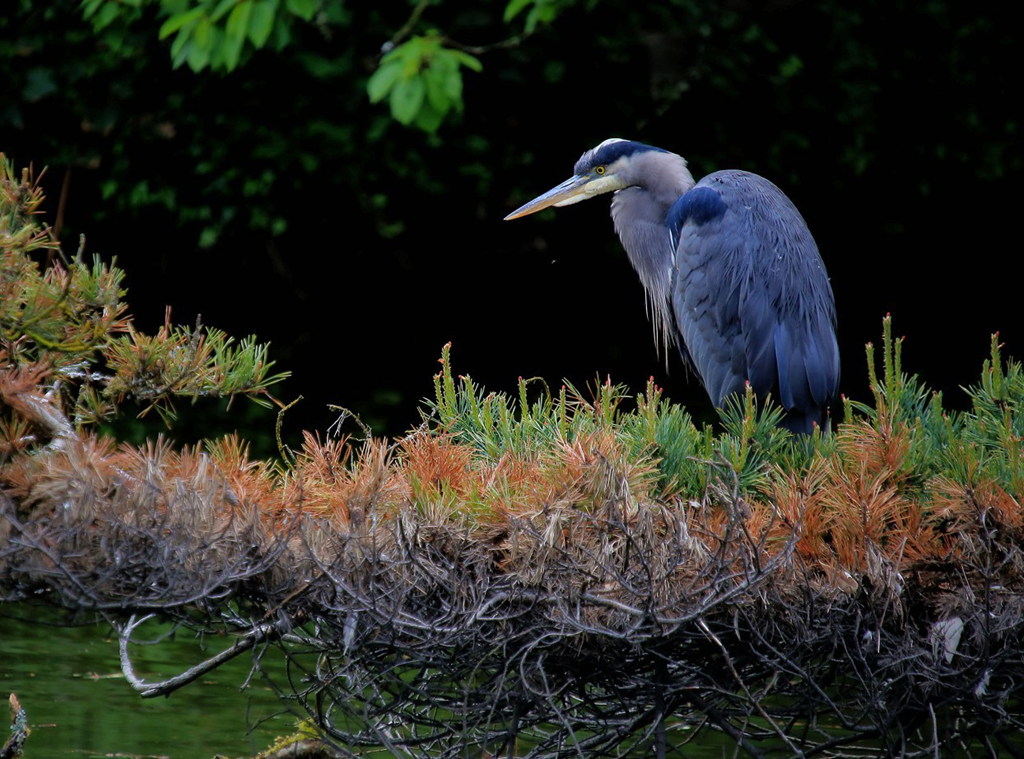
{"x": 79, "y": 705}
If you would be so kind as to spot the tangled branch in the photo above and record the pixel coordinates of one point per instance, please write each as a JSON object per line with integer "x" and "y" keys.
{"x": 625, "y": 626}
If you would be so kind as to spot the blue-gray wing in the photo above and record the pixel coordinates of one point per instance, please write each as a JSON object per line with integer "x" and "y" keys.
{"x": 751, "y": 297}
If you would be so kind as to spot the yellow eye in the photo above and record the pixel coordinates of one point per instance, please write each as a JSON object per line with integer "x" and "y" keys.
{"x": 599, "y": 170}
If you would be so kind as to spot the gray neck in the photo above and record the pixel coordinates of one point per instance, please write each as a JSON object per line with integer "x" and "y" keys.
{"x": 638, "y": 212}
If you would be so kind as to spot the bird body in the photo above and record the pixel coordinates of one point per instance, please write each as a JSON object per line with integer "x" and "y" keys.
{"x": 733, "y": 276}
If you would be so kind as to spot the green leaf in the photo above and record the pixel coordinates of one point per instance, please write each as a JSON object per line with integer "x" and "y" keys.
{"x": 236, "y": 29}
{"x": 238, "y": 22}
{"x": 198, "y": 55}
{"x": 514, "y": 8}
{"x": 437, "y": 94}
{"x": 202, "y": 35}
{"x": 438, "y": 79}
{"x": 220, "y": 11}
{"x": 467, "y": 60}
{"x": 304, "y": 9}
{"x": 182, "y": 45}
{"x": 89, "y": 7}
{"x": 407, "y": 98}
{"x": 383, "y": 79}
{"x": 453, "y": 89}
{"x": 429, "y": 119}
{"x": 450, "y": 77}
{"x": 178, "y": 21}
{"x": 541, "y": 13}
{"x": 180, "y": 48}
{"x": 264, "y": 12}
{"x": 443, "y": 63}
{"x": 107, "y": 15}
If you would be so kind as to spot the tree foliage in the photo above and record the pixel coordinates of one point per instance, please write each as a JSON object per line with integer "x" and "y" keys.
{"x": 421, "y": 80}
{"x": 414, "y": 59}
{"x": 420, "y": 77}
{"x": 69, "y": 354}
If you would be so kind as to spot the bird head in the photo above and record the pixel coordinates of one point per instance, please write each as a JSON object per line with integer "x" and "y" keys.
{"x": 603, "y": 169}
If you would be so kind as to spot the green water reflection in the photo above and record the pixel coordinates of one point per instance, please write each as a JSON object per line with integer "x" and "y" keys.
{"x": 78, "y": 703}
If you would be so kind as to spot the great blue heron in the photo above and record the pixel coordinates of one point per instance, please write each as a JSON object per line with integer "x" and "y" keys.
{"x": 731, "y": 271}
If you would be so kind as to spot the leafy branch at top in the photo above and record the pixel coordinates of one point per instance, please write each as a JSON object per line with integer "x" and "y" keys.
{"x": 211, "y": 33}
{"x": 421, "y": 80}
{"x": 419, "y": 74}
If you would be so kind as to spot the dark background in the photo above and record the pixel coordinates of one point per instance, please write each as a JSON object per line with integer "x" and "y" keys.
{"x": 277, "y": 201}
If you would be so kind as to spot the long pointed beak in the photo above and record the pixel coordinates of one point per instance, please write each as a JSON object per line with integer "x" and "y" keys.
{"x": 572, "y": 190}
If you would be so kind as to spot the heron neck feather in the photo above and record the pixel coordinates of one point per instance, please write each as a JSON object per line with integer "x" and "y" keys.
{"x": 657, "y": 180}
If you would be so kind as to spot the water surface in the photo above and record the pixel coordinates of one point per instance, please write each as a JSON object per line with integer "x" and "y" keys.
{"x": 79, "y": 704}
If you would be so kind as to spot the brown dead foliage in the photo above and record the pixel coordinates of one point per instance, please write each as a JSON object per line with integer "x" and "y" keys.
{"x": 553, "y": 595}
